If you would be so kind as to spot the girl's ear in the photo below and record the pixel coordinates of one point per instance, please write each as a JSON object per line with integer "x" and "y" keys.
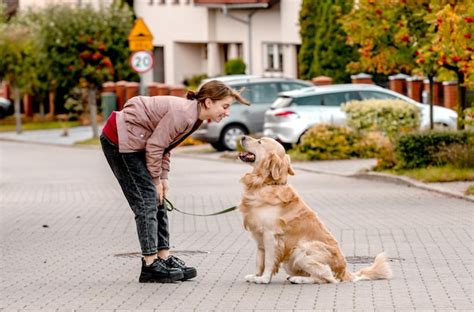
{"x": 207, "y": 103}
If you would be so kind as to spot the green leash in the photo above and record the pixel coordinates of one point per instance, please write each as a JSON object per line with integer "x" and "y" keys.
{"x": 170, "y": 207}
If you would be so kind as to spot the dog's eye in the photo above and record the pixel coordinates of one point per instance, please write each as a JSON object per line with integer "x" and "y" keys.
{"x": 259, "y": 141}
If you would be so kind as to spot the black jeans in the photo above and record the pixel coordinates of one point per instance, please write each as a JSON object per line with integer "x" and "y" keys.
{"x": 138, "y": 187}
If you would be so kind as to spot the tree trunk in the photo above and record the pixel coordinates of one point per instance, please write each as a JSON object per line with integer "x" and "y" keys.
{"x": 93, "y": 111}
{"x": 461, "y": 100}
{"x": 430, "y": 100}
{"x": 51, "y": 97}
{"x": 17, "y": 110}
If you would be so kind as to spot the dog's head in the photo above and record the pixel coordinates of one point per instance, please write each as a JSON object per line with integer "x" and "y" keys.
{"x": 268, "y": 158}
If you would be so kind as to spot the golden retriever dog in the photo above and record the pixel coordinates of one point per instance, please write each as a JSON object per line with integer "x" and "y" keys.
{"x": 286, "y": 230}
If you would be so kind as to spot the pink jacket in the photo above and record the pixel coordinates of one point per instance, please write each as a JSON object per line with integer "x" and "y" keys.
{"x": 156, "y": 125}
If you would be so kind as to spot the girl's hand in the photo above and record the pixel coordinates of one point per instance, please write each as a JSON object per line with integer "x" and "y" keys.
{"x": 164, "y": 184}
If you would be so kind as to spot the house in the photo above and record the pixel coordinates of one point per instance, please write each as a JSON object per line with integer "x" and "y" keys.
{"x": 194, "y": 37}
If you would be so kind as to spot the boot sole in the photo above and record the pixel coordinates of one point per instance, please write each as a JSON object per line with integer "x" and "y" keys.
{"x": 169, "y": 279}
{"x": 189, "y": 275}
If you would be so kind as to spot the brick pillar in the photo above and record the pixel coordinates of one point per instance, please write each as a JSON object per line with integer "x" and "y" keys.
{"x": 5, "y": 90}
{"x": 178, "y": 91}
{"x": 108, "y": 86}
{"x": 362, "y": 78}
{"x": 163, "y": 89}
{"x": 131, "y": 89}
{"x": 120, "y": 92}
{"x": 398, "y": 83}
{"x": 153, "y": 89}
{"x": 450, "y": 89}
{"x": 414, "y": 88}
{"x": 28, "y": 105}
{"x": 436, "y": 98}
{"x": 321, "y": 81}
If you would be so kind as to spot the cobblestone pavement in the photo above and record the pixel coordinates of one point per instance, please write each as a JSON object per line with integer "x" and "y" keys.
{"x": 68, "y": 240}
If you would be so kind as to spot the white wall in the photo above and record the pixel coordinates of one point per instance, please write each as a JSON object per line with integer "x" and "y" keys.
{"x": 289, "y": 22}
{"x": 186, "y": 23}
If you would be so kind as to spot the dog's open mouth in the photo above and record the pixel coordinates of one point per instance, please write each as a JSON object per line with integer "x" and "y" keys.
{"x": 247, "y": 156}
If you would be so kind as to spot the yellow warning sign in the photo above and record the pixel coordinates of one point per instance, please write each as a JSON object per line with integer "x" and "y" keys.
{"x": 140, "y": 38}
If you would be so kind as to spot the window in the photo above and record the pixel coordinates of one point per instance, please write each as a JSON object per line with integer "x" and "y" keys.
{"x": 337, "y": 99}
{"x": 288, "y": 86}
{"x": 259, "y": 93}
{"x": 313, "y": 100}
{"x": 367, "y": 95}
{"x": 274, "y": 57}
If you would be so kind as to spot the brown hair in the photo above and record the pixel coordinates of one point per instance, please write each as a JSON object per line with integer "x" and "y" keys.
{"x": 215, "y": 90}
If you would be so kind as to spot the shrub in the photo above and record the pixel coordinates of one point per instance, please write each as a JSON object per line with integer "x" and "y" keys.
{"x": 388, "y": 116}
{"x": 234, "y": 67}
{"x": 324, "y": 142}
{"x": 469, "y": 118}
{"x": 194, "y": 81}
{"x": 435, "y": 149}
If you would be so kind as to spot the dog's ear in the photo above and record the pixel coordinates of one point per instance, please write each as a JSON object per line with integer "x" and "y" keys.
{"x": 273, "y": 164}
{"x": 290, "y": 169}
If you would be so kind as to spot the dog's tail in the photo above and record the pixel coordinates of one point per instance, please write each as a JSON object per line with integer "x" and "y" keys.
{"x": 380, "y": 269}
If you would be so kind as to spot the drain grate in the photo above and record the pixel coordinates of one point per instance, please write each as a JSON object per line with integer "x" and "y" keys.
{"x": 174, "y": 252}
{"x": 365, "y": 259}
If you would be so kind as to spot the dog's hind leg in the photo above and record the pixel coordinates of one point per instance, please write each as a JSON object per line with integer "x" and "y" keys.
{"x": 318, "y": 274}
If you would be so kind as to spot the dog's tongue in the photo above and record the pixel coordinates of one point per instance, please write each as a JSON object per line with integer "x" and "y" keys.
{"x": 247, "y": 156}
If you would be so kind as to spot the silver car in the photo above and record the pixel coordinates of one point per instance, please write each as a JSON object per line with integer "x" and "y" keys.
{"x": 294, "y": 112}
{"x": 261, "y": 92}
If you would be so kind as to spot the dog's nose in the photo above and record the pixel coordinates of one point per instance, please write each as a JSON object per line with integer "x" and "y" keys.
{"x": 243, "y": 138}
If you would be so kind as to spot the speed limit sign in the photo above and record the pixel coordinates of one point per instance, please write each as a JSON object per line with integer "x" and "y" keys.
{"x": 141, "y": 61}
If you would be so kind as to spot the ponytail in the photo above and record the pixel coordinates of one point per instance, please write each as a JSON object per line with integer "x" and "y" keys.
{"x": 191, "y": 95}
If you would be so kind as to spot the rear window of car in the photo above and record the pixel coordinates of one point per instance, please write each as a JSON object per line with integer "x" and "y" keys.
{"x": 313, "y": 100}
{"x": 339, "y": 98}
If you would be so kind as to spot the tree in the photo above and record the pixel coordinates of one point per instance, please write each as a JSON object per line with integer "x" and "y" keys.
{"x": 84, "y": 47}
{"x": 386, "y": 33}
{"x": 17, "y": 59}
{"x": 323, "y": 49}
{"x": 452, "y": 45}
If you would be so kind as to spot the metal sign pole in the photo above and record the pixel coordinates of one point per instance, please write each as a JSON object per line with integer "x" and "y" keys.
{"x": 142, "y": 85}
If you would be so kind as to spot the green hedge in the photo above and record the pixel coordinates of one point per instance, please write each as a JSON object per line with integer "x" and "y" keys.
{"x": 324, "y": 142}
{"x": 425, "y": 149}
{"x": 388, "y": 116}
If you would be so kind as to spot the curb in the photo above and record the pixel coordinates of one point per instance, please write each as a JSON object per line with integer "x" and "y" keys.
{"x": 401, "y": 180}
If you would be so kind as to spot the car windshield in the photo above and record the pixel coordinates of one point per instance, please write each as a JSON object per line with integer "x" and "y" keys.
{"x": 281, "y": 102}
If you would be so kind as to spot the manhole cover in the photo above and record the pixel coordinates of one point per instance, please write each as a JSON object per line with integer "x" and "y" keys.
{"x": 365, "y": 259}
{"x": 174, "y": 252}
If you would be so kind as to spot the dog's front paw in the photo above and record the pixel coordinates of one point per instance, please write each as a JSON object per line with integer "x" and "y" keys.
{"x": 250, "y": 278}
{"x": 262, "y": 279}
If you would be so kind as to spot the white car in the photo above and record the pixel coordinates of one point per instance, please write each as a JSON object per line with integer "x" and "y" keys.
{"x": 294, "y": 112}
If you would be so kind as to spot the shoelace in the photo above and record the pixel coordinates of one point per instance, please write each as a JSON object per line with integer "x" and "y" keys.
{"x": 179, "y": 261}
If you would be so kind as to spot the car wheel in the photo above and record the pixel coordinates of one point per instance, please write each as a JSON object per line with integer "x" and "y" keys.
{"x": 230, "y": 135}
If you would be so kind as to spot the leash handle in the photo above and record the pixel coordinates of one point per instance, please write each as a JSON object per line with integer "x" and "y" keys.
{"x": 170, "y": 207}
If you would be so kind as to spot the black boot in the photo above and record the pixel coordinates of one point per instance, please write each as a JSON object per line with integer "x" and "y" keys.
{"x": 159, "y": 272}
{"x": 175, "y": 262}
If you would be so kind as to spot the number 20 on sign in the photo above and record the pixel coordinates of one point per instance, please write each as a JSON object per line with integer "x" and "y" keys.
{"x": 141, "y": 61}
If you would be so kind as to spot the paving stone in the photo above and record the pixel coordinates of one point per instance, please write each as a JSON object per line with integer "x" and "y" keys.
{"x": 62, "y": 207}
